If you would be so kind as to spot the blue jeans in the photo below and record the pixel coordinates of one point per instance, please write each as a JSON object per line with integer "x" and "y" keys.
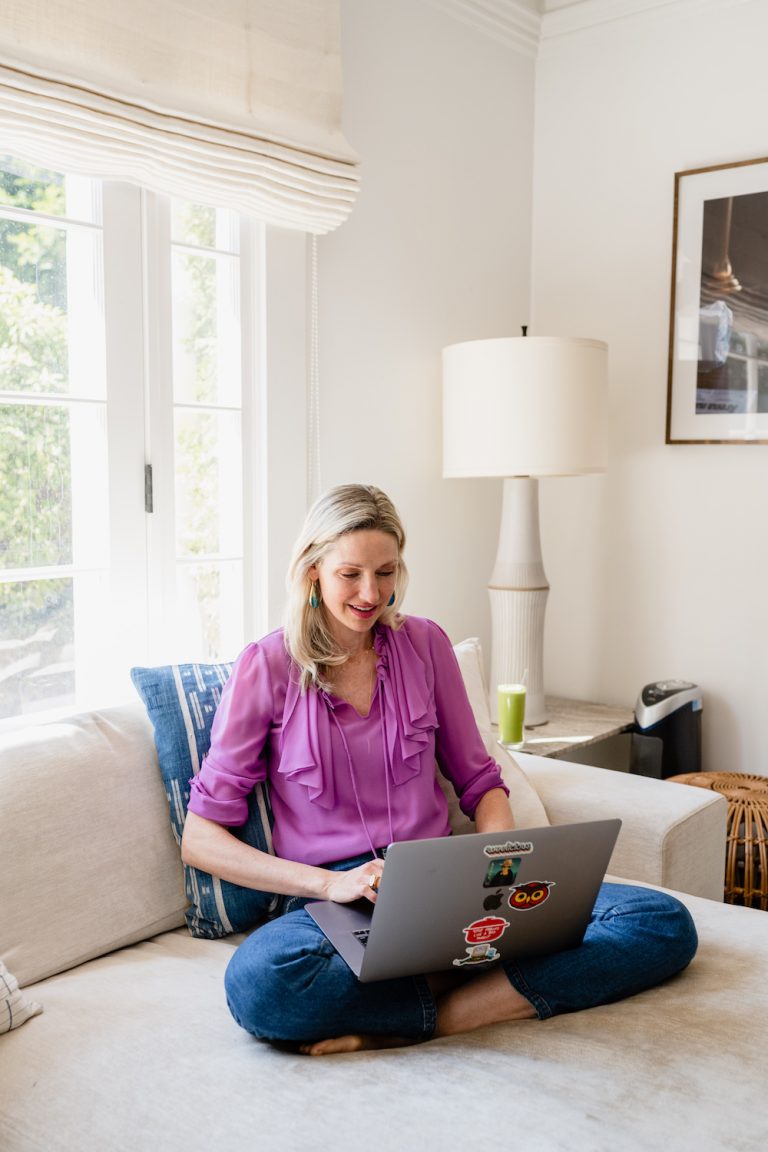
{"x": 286, "y": 982}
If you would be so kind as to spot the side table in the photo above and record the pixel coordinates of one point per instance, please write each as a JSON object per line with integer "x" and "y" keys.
{"x": 746, "y": 855}
{"x": 575, "y": 724}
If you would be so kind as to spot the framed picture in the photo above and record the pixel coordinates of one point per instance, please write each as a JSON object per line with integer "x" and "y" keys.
{"x": 717, "y": 390}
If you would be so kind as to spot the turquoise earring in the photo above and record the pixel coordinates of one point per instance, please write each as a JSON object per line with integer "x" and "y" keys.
{"x": 314, "y": 601}
{"x": 391, "y": 600}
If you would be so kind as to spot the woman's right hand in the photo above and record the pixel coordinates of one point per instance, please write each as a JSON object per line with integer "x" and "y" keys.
{"x": 344, "y": 887}
{"x": 212, "y": 847}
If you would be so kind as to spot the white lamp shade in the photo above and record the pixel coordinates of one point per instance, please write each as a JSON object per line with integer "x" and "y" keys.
{"x": 525, "y": 406}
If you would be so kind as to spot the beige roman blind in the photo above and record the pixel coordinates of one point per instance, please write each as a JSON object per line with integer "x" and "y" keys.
{"x": 233, "y": 102}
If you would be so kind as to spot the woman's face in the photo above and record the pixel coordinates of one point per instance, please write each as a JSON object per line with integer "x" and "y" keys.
{"x": 357, "y": 578}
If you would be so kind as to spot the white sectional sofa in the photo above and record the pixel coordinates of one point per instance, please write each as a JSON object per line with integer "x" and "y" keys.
{"x": 134, "y": 1048}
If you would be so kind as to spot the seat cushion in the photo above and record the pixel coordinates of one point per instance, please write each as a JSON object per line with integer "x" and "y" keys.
{"x": 138, "y": 1050}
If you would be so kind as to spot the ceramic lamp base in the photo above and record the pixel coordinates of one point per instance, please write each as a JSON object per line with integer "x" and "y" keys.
{"x": 518, "y": 592}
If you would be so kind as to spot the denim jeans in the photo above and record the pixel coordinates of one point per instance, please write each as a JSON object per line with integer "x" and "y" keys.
{"x": 286, "y": 982}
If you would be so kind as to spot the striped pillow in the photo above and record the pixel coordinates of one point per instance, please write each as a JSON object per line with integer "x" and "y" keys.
{"x": 15, "y": 1009}
{"x": 181, "y": 700}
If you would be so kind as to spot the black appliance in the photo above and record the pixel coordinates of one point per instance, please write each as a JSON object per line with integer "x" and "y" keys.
{"x": 670, "y": 711}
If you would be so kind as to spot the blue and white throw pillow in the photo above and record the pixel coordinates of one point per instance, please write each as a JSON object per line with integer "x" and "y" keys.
{"x": 181, "y": 700}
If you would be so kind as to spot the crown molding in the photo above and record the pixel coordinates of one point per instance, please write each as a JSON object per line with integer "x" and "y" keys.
{"x": 565, "y": 17}
{"x": 515, "y": 23}
{"x": 525, "y": 25}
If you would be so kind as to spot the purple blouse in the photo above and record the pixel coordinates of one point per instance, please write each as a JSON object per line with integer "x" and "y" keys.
{"x": 342, "y": 784}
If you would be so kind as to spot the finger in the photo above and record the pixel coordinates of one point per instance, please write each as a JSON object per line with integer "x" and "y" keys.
{"x": 373, "y": 879}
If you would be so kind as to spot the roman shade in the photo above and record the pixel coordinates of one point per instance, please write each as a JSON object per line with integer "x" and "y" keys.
{"x": 235, "y": 103}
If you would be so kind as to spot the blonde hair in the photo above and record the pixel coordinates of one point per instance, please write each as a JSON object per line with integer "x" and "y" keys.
{"x": 347, "y": 508}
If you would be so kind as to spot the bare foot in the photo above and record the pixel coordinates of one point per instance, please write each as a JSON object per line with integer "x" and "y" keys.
{"x": 353, "y": 1044}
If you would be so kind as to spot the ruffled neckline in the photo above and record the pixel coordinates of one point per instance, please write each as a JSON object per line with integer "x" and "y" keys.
{"x": 405, "y": 711}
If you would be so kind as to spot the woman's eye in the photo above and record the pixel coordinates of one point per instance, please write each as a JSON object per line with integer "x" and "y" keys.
{"x": 385, "y": 575}
{"x": 349, "y": 575}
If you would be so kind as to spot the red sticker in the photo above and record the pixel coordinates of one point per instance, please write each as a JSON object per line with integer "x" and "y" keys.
{"x": 485, "y": 930}
{"x": 530, "y": 895}
{"x": 479, "y": 935}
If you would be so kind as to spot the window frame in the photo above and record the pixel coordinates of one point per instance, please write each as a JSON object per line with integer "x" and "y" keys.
{"x": 137, "y": 308}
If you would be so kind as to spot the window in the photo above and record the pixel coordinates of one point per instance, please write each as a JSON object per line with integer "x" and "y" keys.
{"x": 127, "y": 395}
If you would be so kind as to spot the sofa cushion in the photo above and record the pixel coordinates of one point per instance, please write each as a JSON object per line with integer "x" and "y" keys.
{"x": 527, "y": 809}
{"x": 137, "y": 1051}
{"x": 85, "y": 850}
{"x": 181, "y": 700}
{"x": 15, "y": 1008}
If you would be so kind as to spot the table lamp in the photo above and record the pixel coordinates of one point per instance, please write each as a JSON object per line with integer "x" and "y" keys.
{"x": 519, "y": 408}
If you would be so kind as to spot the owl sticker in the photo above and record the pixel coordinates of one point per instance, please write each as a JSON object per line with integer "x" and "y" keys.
{"x": 530, "y": 895}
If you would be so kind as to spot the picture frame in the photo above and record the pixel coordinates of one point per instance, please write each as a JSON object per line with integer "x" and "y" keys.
{"x": 717, "y": 387}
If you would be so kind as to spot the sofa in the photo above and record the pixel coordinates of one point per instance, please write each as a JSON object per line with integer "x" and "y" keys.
{"x": 116, "y": 1035}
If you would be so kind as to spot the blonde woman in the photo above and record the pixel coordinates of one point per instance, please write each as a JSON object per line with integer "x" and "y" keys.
{"x": 345, "y": 712}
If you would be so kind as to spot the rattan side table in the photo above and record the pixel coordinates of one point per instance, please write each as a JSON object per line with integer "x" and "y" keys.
{"x": 746, "y": 854}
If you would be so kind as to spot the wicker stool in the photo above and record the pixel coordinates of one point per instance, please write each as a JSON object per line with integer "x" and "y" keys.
{"x": 746, "y": 858}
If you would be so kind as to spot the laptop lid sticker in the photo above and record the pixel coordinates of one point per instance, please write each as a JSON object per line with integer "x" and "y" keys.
{"x": 504, "y": 864}
{"x": 480, "y": 935}
{"x": 530, "y": 895}
{"x": 509, "y": 848}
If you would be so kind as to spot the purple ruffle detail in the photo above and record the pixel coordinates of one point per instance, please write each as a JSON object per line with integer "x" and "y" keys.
{"x": 406, "y": 705}
{"x": 306, "y": 743}
{"x": 409, "y": 707}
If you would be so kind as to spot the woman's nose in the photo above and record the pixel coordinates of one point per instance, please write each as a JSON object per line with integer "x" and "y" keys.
{"x": 370, "y": 589}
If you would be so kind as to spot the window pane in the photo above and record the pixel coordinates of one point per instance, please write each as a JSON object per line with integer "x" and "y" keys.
{"x": 209, "y": 603}
{"x": 33, "y": 291}
{"x": 207, "y": 388}
{"x": 36, "y": 494}
{"x": 208, "y": 483}
{"x": 37, "y": 645}
{"x": 193, "y": 224}
{"x": 206, "y": 329}
{"x": 50, "y": 310}
{"x": 52, "y": 193}
{"x": 54, "y": 496}
{"x": 200, "y": 226}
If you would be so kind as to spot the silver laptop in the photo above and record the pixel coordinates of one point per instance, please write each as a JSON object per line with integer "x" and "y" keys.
{"x": 467, "y": 902}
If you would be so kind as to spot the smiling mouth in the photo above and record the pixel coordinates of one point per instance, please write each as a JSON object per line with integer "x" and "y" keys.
{"x": 365, "y": 613}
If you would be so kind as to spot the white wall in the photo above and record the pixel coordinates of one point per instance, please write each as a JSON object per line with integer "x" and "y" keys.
{"x": 436, "y": 251}
{"x": 661, "y": 567}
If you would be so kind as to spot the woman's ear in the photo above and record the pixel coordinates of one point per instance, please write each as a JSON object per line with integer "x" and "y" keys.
{"x": 312, "y": 573}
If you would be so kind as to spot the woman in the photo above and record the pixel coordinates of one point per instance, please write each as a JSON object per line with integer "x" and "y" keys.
{"x": 345, "y": 712}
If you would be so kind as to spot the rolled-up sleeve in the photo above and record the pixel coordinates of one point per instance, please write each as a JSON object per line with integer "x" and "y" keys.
{"x": 237, "y": 758}
{"x": 461, "y": 753}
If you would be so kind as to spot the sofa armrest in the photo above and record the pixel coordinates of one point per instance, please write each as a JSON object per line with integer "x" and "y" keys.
{"x": 672, "y": 835}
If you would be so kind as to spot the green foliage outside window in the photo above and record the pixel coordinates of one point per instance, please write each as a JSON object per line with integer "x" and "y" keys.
{"x": 35, "y": 493}
{"x": 37, "y": 614}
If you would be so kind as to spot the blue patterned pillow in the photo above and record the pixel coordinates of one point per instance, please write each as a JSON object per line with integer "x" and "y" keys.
{"x": 181, "y": 700}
